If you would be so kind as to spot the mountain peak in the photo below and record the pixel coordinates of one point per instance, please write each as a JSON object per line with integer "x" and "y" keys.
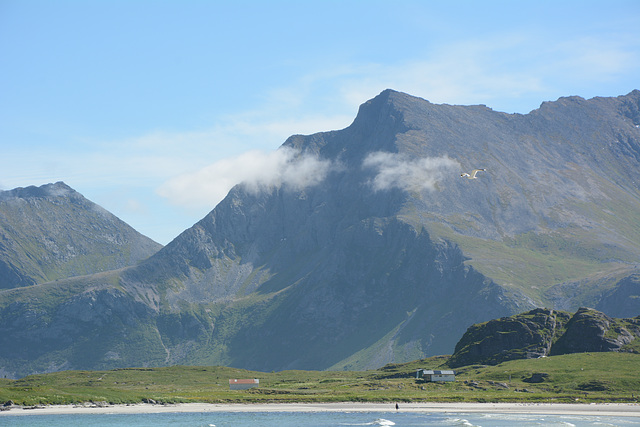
{"x": 53, "y": 232}
{"x": 57, "y": 189}
{"x": 634, "y": 95}
{"x": 394, "y": 99}
{"x": 383, "y": 117}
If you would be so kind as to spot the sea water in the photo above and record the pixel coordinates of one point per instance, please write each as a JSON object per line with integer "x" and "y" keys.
{"x": 311, "y": 419}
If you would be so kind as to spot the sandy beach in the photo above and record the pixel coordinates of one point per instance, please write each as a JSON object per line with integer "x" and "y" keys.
{"x": 604, "y": 409}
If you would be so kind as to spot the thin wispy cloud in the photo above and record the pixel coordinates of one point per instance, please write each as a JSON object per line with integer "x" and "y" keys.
{"x": 232, "y": 134}
{"x": 513, "y": 69}
{"x": 393, "y": 170}
{"x": 255, "y": 170}
{"x": 593, "y": 59}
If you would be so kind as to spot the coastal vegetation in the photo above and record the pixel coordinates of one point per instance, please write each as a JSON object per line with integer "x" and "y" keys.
{"x": 580, "y": 377}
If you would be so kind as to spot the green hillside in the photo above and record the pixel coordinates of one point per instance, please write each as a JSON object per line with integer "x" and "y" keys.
{"x": 584, "y": 377}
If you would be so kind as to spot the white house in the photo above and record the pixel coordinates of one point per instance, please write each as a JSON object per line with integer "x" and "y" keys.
{"x": 429, "y": 375}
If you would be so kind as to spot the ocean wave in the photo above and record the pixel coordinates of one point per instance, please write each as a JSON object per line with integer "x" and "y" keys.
{"x": 460, "y": 422}
{"x": 377, "y": 422}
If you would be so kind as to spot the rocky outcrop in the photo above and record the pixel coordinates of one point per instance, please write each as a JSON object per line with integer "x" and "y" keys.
{"x": 543, "y": 332}
{"x": 591, "y": 330}
{"x": 523, "y": 336}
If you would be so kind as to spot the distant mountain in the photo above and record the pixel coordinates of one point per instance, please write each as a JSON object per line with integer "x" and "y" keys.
{"x": 52, "y": 232}
{"x": 369, "y": 247}
{"x": 543, "y": 332}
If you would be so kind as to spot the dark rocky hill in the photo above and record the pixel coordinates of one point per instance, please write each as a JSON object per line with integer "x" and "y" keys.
{"x": 52, "y": 232}
{"x": 369, "y": 247}
{"x": 543, "y": 332}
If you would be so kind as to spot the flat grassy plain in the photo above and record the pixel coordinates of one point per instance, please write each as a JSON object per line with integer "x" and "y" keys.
{"x": 583, "y": 377}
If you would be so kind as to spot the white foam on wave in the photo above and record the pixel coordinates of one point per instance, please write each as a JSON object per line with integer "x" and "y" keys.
{"x": 460, "y": 422}
{"x": 377, "y": 422}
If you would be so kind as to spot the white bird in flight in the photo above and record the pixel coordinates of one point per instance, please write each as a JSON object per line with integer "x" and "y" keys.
{"x": 471, "y": 175}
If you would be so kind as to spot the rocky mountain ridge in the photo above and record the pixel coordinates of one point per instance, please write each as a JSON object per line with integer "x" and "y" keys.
{"x": 383, "y": 253}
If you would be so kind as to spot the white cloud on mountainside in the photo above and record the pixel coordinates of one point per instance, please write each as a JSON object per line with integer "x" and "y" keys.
{"x": 287, "y": 167}
{"x": 255, "y": 170}
{"x": 395, "y": 170}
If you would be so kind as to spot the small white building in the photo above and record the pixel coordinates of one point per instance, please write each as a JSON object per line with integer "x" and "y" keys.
{"x": 429, "y": 375}
{"x": 243, "y": 384}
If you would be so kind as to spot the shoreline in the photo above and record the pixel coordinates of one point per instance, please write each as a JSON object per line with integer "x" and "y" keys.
{"x": 604, "y": 409}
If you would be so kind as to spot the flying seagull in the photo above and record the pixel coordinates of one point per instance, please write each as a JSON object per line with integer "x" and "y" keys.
{"x": 472, "y": 175}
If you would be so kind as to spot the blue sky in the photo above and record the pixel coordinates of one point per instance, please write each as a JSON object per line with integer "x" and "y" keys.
{"x": 153, "y": 109}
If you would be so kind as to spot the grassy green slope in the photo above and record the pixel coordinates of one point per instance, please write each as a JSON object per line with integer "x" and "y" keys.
{"x": 585, "y": 377}
{"x": 534, "y": 263}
